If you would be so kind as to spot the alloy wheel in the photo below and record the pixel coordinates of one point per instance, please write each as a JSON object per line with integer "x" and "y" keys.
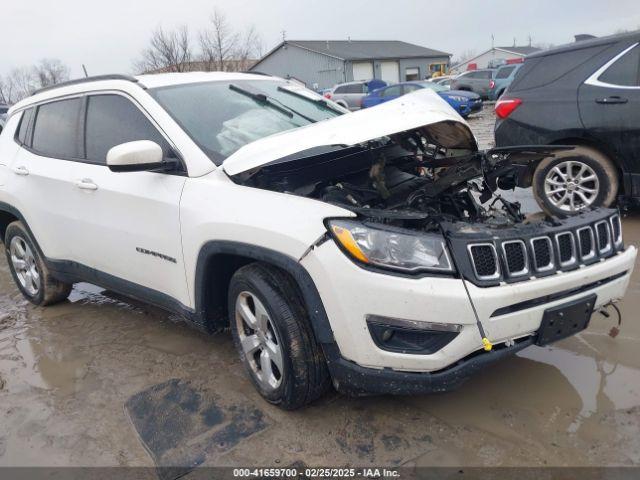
{"x": 259, "y": 341}
{"x": 24, "y": 265}
{"x": 571, "y": 186}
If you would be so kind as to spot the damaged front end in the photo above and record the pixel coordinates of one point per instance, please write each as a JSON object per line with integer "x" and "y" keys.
{"x": 412, "y": 181}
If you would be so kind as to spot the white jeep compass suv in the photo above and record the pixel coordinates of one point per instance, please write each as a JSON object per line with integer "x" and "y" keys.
{"x": 368, "y": 249}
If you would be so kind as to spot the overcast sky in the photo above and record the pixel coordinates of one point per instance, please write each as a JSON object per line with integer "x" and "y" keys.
{"x": 108, "y": 35}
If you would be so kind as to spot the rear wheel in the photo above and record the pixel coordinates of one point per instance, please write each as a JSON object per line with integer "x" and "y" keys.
{"x": 273, "y": 336}
{"x": 28, "y": 269}
{"x": 575, "y": 180}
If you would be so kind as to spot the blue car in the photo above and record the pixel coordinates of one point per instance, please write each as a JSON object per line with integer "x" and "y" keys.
{"x": 463, "y": 102}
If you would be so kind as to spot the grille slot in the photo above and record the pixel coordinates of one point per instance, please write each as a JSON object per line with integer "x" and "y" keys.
{"x": 542, "y": 253}
{"x": 566, "y": 248}
{"x": 587, "y": 243}
{"x": 484, "y": 260}
{"x": 603, "y": 236}
{"x": 515, "y": 254}
{"x": 616, "y": 230}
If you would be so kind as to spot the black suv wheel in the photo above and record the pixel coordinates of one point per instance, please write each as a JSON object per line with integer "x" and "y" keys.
{"x": 574, "y": 180}
{"x": 29, "y": 270}
{"x": 273, "y": 336}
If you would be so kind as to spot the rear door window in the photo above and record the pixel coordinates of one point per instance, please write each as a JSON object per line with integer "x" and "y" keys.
{"x": 56, "y": 132}
{"x": 394, "y": 91}
{"x": 625, "y": 71}
{"x": 353, "y": 88}
{"x": 504, "y": 72}
{"x": 112, "y": 120}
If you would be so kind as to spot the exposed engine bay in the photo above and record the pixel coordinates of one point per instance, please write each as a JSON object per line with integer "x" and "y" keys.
{"x": 414, "y": 179}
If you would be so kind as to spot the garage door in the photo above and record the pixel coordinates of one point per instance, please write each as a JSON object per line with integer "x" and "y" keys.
{"x": 390, "y": 72}
{"x": 362, "y": 70}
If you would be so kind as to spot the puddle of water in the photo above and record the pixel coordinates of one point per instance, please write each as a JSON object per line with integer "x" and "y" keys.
{"x": 601, "y": 385}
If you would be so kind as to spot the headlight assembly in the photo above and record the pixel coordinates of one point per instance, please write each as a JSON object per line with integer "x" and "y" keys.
{"x": 398, "y": 250}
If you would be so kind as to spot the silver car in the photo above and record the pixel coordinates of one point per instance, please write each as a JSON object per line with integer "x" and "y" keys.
{"x": 477, "y": 81}
{"x": 349, "y": 95}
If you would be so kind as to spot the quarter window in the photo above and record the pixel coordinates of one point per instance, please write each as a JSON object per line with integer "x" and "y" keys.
{"x": 24, "y": 125}
{"x": 625, "y": 71}
{"x": 56, "y": 132}
{"x": 112, "y": 120}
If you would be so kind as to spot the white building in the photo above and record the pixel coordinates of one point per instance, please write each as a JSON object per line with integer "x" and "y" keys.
{"x": 494, "y": 57}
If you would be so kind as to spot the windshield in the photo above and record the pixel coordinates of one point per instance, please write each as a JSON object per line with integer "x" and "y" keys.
{"x": 221, "y": 117}
{"x": 436, "y": 87}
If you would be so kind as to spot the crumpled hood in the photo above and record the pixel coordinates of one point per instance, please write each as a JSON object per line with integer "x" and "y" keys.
{"x": 422, "y": 108}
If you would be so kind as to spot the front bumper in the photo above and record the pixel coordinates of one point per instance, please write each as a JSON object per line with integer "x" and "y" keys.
{"x": 349, "y": 293}
{"x": 352, "y": 379}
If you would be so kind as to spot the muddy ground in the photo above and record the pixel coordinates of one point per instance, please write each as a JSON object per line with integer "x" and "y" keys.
{"x": 100, "y": 380}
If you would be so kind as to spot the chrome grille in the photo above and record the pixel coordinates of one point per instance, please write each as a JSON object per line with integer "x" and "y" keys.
{"x": 566, "y": 248}
{"x": 616, "y": 229}
{"x": 542, "y": 253}
{"x": 495, "y": 259}
{"x": 484, "y": 260}
{"x": 587, "y": 243}
{"x": 603, "y": 236}
{"x": 515, "y": 254}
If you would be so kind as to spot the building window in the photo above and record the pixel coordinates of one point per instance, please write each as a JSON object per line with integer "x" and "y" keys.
{"x": 411, "y": 74}
{"x": 440, "y": 68}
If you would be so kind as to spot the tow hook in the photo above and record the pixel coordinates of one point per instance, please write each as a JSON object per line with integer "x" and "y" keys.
{"x": 604, "y": 311}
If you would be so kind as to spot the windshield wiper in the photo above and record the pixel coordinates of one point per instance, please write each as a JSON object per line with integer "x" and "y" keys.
{"x": 319, "y": 101}
{"x": 270, "y": 101}
{"x": 261, "y": 98}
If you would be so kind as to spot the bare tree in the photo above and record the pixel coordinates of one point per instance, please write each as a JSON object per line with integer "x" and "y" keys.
{"x": 463, "y": 56}
{"x": 50, "y": 71}
{"x": 167, "y": 52}
{"x": 218, "y": 43}
{"x": 18, "y": 84}
{"x": 249, "y": 48}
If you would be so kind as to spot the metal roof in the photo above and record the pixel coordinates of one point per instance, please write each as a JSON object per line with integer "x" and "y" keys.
{"x": 365, "y": 49}
{"x": 519, "y": 50}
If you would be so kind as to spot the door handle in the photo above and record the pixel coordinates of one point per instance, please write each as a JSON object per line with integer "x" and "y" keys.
{"x": 21, "y": 170}
{"x": 614, "y": 99}
{"x": 86, "y": 184}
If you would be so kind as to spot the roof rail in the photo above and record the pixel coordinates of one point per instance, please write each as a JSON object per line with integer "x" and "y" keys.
{"x": 257, "y": 73}
{"x": 95, "y": 78}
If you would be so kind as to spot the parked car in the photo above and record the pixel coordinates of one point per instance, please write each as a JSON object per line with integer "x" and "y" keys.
{"x": 349, "y": 95}
{"x": 477, "y": 81}
{"x": 585, "y": 94}
{"x": 321, "y": 238}
{"x": 502, "y": 79}
{"x": 445, "y": 81}
{"x": 465, "y": 103}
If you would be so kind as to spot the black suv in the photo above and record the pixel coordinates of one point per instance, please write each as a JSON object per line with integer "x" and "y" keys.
{"x": 585, "y": 94}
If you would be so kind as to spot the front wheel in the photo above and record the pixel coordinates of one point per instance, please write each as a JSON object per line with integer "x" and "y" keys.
{"x": 273, "y": 336}
{"x": 575, "y": 180}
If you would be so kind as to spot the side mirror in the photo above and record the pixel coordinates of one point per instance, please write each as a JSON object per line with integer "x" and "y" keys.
{"x": 138, "y": 156}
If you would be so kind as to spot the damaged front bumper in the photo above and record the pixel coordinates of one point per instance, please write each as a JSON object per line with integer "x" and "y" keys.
{"x": 352, "y": 379}
{"x": 511, "y": 314}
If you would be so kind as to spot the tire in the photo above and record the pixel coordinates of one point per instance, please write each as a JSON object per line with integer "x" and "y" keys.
{"x": 36, "y": 282}
{"x": 304, "y": 376}
{"x": 593, "y": 162}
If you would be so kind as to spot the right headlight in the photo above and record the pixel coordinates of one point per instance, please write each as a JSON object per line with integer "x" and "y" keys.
{"x": 392, "y": 248}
